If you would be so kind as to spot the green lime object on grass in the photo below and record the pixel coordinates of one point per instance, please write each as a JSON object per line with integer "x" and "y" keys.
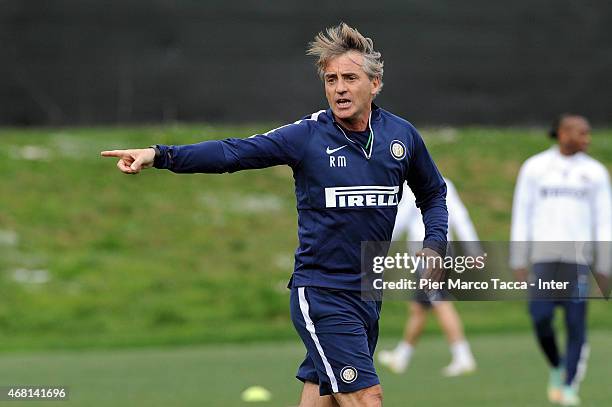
{"x": 256, "y": 394}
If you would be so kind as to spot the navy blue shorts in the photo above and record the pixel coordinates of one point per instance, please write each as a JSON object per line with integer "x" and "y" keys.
{"x": 340, "y": 332}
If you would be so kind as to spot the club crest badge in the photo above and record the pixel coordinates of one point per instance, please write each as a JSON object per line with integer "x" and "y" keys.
{"x": 398, "y": 149}
{"x": 348, "y": 374}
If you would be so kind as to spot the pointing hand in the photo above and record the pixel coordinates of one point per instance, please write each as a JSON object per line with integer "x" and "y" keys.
{"x": 132, "y": 161}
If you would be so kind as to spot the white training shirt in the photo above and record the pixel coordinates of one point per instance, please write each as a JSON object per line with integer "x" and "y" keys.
{"x": 460, "y": 225}
{"x": 561, "y": 198}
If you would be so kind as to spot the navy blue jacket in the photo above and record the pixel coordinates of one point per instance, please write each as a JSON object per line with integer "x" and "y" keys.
{"x": 345, "y": 193}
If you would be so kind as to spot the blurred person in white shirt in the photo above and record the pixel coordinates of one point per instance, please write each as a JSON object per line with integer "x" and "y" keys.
{"x": 563, "y": 196}
{"x": 409, "y": 222}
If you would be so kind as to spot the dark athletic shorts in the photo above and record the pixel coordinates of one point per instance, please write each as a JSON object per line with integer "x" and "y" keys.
{"x": 340, "y": 332}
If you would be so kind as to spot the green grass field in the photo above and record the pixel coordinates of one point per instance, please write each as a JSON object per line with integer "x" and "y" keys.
{"x": 92, "y": 258}
{"x": 161, "y": 289}
{"x": 511, "y": 373}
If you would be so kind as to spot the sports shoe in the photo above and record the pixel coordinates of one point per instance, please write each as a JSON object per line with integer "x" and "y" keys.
{"x": 570, "y": 397}
{"x": 555, "y": 384}
{"x": 391, "y": 361}
{"x": 458, "y": 368}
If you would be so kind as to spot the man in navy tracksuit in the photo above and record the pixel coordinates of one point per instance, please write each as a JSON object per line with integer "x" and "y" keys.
{"x": 349, "y": 163}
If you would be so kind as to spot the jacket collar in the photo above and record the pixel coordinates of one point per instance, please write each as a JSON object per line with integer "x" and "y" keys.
{"x": 557, "y": 153}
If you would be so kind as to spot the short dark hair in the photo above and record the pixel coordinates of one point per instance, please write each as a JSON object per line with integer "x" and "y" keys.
{"x": 554, "y": 129}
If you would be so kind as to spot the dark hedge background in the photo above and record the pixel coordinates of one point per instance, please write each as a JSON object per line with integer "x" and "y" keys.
{"x": 447, "y": 61}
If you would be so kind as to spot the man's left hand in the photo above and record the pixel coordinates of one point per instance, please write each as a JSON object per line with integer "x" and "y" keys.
{"x": 434, "y": 270}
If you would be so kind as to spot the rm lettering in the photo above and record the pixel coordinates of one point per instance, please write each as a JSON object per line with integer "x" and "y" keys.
{"x": 339, "y": 161}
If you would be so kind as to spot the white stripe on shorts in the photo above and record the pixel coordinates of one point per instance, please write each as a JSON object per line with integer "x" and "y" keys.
{"x": 304, "y": 307}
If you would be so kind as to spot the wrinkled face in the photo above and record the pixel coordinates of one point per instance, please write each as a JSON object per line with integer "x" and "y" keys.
{"x": 349, "y": 90}
{"x": 574, "y": 134}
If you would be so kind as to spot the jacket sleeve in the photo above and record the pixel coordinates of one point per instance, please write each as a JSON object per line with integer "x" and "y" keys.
{"x": 284, "y": 145}
{"x": 429, "y": 189}
{"x": 603, "y": 224}
{"x": 402, "y": 220}
{"x": 520, "y": 233}
{"x": 459, "y": 222}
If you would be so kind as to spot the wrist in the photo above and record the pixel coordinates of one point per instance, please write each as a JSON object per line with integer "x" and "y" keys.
{"x": 155, "y": 148}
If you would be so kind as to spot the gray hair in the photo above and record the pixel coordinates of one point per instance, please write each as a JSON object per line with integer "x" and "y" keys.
{"x": 341, "y": 39}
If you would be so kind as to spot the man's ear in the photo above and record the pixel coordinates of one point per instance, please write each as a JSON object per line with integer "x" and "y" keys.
{"x": 561, "y": 132}
{"x": 375, "y": 85}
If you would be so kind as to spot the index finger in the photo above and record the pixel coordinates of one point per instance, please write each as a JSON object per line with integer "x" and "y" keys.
{"x": 113, "y": 153}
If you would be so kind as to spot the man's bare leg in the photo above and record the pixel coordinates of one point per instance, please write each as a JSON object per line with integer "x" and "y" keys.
{"x": 368, "y": 397}
{"x": 311, "y": 398}
{"x": 449, "y": 321}
{"x": 397, "y": 360}
{"x": 415, "y": 323}
{"x": 462, "y": 359}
